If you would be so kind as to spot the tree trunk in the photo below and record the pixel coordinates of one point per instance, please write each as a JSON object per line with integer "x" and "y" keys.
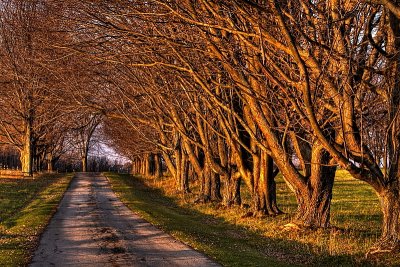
{"x": 27, "y": 152}
{"x": 182, "y": 171}
{"x": 265, "y": 188}
{"x": 212, "y": 185}
{"x": 313, "y": 210}
{"x": 215, "y": 187}
{"x": 149, "y": 165}
{"x": 134, "y": 167}
{"x": 170, "y": 164}
{"x": 231, "y": 194}
{"x": 205, "y": 186}
{"x": 390, "y": 206}
{"x": 142, "y": 166}
{"x": 314, "y": 200}
{"x": 184, "y": 174}
{"x": 26, "y": 161}
{"x": 138, "y": 166}
{"x": 50, "y": 166}
{"x": 50, "y": 162}
{"x": 178, "y": 172}
{"x": 84, "y": 163}
{"x": 133, "y": 170}
{"x": 158, "y": 165}
{"x": 39, "y": 160}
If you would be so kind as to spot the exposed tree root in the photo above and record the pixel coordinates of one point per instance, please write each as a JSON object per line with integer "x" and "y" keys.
{"x": 384, "y": 246}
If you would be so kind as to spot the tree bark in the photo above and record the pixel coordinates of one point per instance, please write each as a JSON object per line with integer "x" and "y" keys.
{"x": 50, "y": 167}
{"x": 314, "y": 199}
{"x": 149, "y": 164}
{"x": 212, "y": 185}
{"x": 27, "y": 152}
{"x": 265, "y": 188}
{"x": 390, "y": 205}
{"x": 215, "y": 187}
{"x": 205, "y": 189}
{"x": 184, "y": 174}
{"x": 50, "y": 162}
{"x": 231, "y": 195}
{"x": 84, "y": 163}
{"x": 158, "y": 166}
{"x": 133, "y": 167}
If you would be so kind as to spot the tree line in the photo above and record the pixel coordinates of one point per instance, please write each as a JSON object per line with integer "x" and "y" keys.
{"x": 226, "y": 93}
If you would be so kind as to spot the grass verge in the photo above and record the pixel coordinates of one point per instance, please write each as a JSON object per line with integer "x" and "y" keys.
{"x": 26, "y": 206}
{"x": 235, "y": 240}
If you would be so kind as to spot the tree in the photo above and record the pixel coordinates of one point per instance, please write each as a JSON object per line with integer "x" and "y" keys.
{"x": 83, "y": 133}
{"x": 26, "y": 77}
{"x": 341, "y": 67}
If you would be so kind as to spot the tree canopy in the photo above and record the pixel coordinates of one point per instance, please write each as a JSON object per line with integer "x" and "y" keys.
{"x": 224, "y": 93}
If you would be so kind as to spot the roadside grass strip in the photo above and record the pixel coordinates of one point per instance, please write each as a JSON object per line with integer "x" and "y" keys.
{"x": 233, "y": 239}
{"x": 26, "y": 206}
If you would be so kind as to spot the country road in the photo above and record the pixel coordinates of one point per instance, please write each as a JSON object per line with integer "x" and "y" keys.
{"x": 93, "y": 228}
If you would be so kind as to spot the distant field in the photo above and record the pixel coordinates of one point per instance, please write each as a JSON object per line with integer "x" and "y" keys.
{"x": 26, "y": 205}
{"x": 232, "y": 240}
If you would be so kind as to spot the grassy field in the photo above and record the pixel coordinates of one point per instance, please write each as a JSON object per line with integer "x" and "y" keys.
{"x": 26, "y": 205}
{"x": 233, "y": 240}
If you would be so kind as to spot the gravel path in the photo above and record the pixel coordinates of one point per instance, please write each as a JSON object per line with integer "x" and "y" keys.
{"x": 93, "y": 228}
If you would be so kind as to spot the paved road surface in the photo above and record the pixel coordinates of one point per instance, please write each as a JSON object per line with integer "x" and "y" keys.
{"x": 93, "y": 228}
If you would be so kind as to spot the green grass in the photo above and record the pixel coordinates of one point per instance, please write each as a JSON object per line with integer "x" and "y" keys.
{"x": 232, "y": 240}
{"x": 26, "y": 205}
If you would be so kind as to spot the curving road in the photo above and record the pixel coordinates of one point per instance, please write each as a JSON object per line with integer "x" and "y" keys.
{"x": 93, "y": 228}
